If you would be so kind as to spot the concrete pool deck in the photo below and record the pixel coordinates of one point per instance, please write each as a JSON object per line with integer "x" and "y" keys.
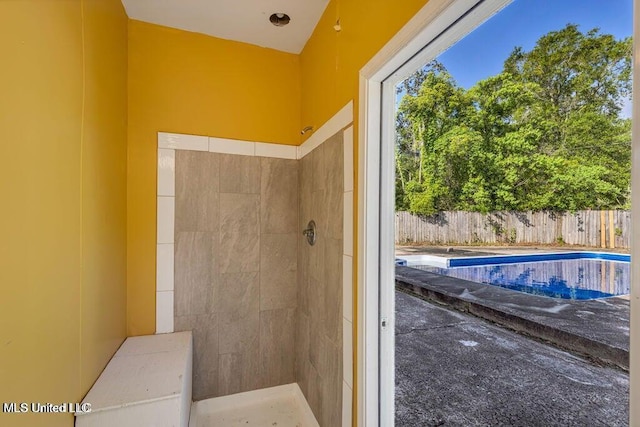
{"x": 453, "y": 369}
{"x": 598, "y": 329}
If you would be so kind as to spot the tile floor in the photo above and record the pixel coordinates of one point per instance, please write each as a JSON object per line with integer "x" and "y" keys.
{"x": 281, "y": 406}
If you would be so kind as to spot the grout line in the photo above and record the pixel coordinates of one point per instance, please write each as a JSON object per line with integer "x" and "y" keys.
{"x": 260, "y": 259}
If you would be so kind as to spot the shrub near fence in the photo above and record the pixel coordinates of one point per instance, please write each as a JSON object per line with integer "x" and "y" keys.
{"x": 585, "y": 228}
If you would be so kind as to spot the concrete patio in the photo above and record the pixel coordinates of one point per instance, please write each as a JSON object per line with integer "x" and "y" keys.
{"x": 597, "y": 328}
{"x": 455, "y": 369}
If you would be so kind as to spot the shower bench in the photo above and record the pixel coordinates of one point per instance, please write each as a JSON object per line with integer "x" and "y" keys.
{"x": 146, "y": 383}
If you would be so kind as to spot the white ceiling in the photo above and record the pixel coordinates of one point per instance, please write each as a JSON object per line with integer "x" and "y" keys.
{"x": 241, "y": 20}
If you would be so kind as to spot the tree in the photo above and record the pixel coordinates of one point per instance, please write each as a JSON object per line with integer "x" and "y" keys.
{"x": 422, "y": 119}
{"x": 544, "y": 134}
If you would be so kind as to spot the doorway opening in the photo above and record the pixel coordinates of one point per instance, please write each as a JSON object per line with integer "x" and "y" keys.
{"x": 431, "y": 32}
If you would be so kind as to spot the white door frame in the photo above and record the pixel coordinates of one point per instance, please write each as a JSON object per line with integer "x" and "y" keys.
{"x": 634, "y": 322}
{"x": 419, "y": 41}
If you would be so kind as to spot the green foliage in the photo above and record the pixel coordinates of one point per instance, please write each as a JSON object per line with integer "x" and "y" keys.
{"x": 544, "y": 134}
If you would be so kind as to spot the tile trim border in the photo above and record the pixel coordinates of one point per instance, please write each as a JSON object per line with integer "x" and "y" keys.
{"x": 178, "y": 141}
{"x": 347, "y": 282}
{"x": 335, "y": 124}
{"x": 165, "y": 215}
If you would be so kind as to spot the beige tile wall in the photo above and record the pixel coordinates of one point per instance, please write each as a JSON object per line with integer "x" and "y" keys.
{"x": 319, "y": 325}
{"x": 236, "y": 236}
{"x": 264, "y": 306}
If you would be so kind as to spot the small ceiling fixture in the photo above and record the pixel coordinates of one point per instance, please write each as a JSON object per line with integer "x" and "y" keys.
{"x": 279, "y": 19}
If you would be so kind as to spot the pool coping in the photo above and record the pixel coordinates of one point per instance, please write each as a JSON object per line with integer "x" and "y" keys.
{"x": 485, "y": 259}
{"x": 560, "y": 322}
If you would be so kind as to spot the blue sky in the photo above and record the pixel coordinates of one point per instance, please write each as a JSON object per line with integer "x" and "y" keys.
{"x": 482, "y": 53}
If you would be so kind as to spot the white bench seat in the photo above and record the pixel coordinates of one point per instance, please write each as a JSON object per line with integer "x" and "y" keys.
{"x": 146, "y": 383}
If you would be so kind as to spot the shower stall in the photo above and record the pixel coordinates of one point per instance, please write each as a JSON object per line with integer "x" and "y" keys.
{"x": 235, "y": 266}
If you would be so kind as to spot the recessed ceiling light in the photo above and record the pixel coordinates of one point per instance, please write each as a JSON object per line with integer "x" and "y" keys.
{"x": 279, "y": 19}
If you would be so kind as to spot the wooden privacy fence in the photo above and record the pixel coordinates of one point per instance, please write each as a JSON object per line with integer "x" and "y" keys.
{"x": 604, "y": 229}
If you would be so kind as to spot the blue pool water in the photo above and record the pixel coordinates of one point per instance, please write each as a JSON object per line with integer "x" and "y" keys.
{"x": 578, "y": 276}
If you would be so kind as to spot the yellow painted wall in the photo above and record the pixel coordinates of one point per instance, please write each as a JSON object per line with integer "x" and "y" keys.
{"x": 331, "y": 60}
{"x": 190, "y": 83}
{"x": 330, "y": 65}
{"x": 104, "y": 186}
{"x": 63, "y": 241}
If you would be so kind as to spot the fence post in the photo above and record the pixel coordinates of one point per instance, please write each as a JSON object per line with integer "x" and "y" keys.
{"x": 603, "y": 230}
{"x": 612, "y": 231}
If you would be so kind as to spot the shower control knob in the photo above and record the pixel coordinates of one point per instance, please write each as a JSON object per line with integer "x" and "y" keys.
{"x": 310, "y": 232}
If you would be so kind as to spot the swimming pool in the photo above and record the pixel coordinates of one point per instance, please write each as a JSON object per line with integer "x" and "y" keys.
{"x": 567, "y": 275}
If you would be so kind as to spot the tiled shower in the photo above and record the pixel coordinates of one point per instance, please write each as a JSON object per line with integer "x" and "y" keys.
{"x": 235, "y": 269}
{"x": 319, "y": 316}
{"x": 265, "y": 307}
